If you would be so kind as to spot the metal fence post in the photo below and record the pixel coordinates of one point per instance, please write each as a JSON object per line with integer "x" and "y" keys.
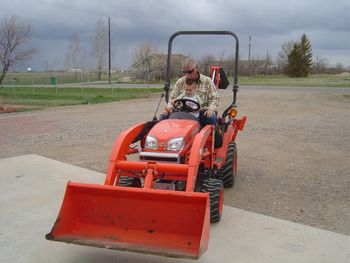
{"x": 33, "y": 81}
{"x": 55, "y": 84}
{"x": 13, "y": 84}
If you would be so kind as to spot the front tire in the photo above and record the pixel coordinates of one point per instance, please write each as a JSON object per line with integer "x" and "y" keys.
{"x": 227, "y": 173}
{"x": 215, "y": 189}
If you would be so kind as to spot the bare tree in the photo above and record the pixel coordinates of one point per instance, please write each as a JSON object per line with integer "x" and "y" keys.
{"x": 75, "y": 56}
{"x": 254, "y": 66}
{"x": 142, "y": 58}
{"x": 339, "y": 68}
{"x": 222, "y": 58}
{"x": 143, "y": 53}
{"x": 269, "y": 66}
{"x": 228, "y": 64}
{"x": 100, "y": 45}
{"x": 15, "y": 36}
{"x": 205, "y": 63}
{"x": 320, "y": 65}
{"x": 282, "y": 59}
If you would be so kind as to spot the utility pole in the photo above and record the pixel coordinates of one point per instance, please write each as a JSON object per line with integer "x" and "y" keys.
{"x": 249, "y": 45}
{"x": 267, "y": 62}
{"x": 109, "y": 51}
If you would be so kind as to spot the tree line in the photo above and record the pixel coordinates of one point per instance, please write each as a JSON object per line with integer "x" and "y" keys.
{"x": 15, "y": 46}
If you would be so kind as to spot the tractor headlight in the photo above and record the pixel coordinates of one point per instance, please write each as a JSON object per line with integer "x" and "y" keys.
{"x": 176, "y": 144}
{"x": 151, "y": 143}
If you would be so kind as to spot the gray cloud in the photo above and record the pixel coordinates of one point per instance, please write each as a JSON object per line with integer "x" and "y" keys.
{"x": 269, "y": 23}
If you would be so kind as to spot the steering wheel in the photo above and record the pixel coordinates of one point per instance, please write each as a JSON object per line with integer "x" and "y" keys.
{"x": 186, "y": 105}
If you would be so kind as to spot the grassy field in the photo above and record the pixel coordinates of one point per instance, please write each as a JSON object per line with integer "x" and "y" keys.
{"x": 60, "y": 77}
{"x": 335, "y": 80}
{"x": 320, "y": 80}
{"x": 39, "y": 97}
{"x": 46, "y": 78}
{"x": 28, "y": 97}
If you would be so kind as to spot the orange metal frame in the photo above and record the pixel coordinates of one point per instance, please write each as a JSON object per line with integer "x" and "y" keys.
{"x": 148, "y": 220}
{"x": 216, "y": 79}
{"x": 201, "y": 150}
{"x": 229, "y": 136}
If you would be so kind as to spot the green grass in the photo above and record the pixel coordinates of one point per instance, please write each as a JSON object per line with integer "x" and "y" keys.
{"x": 46, "y": 97}
{"x": 41, "y": 97}
{"x": 44, "y": 78}
{"x": 327, "y": 80}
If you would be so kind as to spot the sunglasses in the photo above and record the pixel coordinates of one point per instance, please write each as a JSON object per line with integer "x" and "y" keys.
{"x": 188, "y": 71}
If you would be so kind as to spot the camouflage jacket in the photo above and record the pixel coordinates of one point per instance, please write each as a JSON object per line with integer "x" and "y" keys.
{"x": 206, "y": 90}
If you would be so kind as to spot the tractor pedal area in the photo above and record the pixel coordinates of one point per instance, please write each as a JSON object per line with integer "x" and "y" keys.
{"x": 164, "y": 184}
{"x": 169, "y": 185}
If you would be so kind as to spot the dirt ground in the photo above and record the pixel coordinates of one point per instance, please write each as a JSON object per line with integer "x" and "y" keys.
{"x": 293, "y": 155}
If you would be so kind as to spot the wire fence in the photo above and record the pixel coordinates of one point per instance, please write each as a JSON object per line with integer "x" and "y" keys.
{"x": 60, "y": 83}
{"x": 75, "y": 78}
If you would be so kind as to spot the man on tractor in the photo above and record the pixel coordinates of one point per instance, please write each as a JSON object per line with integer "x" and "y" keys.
{"x": 205, "y": 90}
{"x": 179, "y": 175}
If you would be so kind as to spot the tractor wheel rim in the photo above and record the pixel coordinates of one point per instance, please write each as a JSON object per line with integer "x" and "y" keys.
{"x": 221, "y": 200}
{"x": 234, "y": 165}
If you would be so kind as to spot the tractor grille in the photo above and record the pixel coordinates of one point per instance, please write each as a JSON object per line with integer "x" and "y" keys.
{"x": 159, "y": 157}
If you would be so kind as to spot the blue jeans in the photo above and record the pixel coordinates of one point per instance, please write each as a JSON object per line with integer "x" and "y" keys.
{"x": 204, "y": 120}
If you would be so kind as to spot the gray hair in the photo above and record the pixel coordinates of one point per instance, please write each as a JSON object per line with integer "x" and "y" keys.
{"x": 191, "y": 62}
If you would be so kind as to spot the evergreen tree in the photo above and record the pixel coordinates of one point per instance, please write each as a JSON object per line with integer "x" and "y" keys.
{"x": 305, "y": 47}
{"x": 300, "y": 59}
{"x": 295, "y": 60}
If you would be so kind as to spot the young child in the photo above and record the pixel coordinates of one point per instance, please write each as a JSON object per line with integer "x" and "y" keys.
{"x": 189, "y": 93}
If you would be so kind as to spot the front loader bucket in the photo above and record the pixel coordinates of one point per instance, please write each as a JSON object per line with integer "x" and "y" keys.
{"x": 170, "y": 223}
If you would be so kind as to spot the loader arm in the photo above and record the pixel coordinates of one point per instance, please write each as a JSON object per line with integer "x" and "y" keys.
{"x": 204, "y": 138}
{"x": 120, "y": 150}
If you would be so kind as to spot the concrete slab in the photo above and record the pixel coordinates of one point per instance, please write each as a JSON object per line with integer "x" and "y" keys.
{"x": 32, "y": 189}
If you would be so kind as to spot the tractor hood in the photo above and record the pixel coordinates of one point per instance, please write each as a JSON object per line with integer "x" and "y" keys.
{"x": 169, "y": 129}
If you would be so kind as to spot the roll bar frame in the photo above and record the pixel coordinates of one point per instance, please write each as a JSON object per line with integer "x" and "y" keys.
{"x": 235, "y": 73}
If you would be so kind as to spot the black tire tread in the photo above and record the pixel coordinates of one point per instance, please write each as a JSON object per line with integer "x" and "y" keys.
{"x": 226, "y": 173}
{"x": 213, "y": 186}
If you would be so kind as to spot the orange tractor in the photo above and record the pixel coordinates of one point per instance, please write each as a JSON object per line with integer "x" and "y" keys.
{"x": 164, "y": 202}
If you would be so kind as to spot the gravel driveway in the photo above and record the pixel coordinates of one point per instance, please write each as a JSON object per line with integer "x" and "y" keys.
{"x": 293, "y": 156}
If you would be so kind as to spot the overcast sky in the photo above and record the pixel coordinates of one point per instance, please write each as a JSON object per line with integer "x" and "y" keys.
{"x": 270, "y": 23}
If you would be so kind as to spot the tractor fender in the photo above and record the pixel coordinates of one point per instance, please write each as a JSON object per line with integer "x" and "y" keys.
{"x": 196, "y": 155}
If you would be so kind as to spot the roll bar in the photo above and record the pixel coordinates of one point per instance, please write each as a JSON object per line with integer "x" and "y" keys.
{"x": 235, "y": 73}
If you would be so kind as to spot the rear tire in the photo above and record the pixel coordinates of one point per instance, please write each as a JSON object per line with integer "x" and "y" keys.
{"x": 129, "y": 182}
{"x": 215, "y": 189}
{"x": 227, "y": 173}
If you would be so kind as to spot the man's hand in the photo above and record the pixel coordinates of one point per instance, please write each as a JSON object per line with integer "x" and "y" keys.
{"x": 209, "y": 113}
{"x": 167, "y": 110}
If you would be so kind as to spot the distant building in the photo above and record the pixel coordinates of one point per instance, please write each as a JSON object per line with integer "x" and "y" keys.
{"x": 154, "y": 66}
{"x": 75, "y": 70}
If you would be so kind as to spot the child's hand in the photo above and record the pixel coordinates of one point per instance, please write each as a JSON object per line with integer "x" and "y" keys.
{"x": 167, "y": 110}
